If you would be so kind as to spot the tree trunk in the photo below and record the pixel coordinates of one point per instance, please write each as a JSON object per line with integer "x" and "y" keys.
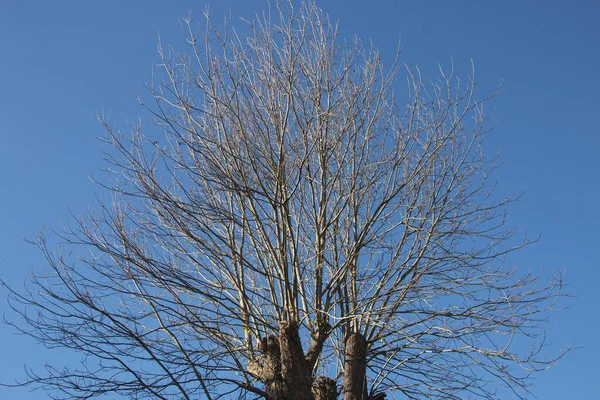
{"x": 268, "y": 368}
{"x": 282, "y": 367}
{"x": 295, "y": 371}
{"x": 355, "y": 367}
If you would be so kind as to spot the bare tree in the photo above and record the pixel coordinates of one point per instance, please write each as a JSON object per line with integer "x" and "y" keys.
{"x": 299, "y": 234}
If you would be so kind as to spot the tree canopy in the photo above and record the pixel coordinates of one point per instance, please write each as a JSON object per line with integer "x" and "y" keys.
{"x": 299, "y": 232}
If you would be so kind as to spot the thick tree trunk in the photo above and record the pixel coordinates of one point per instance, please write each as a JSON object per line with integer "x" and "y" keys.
{"x": 295, "y": 370}
{"x": 283, "y": 368}
{"x": 355, "y": 367}
{"x": 268, "y": 368}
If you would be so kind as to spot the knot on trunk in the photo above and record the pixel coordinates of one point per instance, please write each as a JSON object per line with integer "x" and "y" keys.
{"x": 324, "y": 388}
{"x": 268, "y": 367}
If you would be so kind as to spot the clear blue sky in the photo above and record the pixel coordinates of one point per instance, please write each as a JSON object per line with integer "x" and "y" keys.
{"x": 62, "y": 62}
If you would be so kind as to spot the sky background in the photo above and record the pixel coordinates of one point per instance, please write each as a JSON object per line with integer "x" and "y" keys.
{"x": 63, "y": 62}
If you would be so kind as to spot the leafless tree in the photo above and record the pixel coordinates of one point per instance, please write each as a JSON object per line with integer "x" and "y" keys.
{"x": 299, "y": 233}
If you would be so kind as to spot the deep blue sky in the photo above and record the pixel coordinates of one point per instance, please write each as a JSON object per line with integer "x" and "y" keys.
{"x": 62, "y": 62}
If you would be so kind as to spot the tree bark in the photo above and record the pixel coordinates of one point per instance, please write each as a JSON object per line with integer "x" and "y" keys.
{"x": 268, "y": 368}
{"x": 355, "y": 367}
{"x": 282, "y": 367}
{"x": 324, "y": 388}
{"x": 295, "y": 370}
{"x": 316, "y": 344}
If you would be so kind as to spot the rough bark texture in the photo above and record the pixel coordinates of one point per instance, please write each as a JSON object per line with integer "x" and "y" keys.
{"x": 295, "y": 371}
{"x": 268, "y": 367}
{"x": 355, "y": 367}
{"x": 324, "y": 388}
